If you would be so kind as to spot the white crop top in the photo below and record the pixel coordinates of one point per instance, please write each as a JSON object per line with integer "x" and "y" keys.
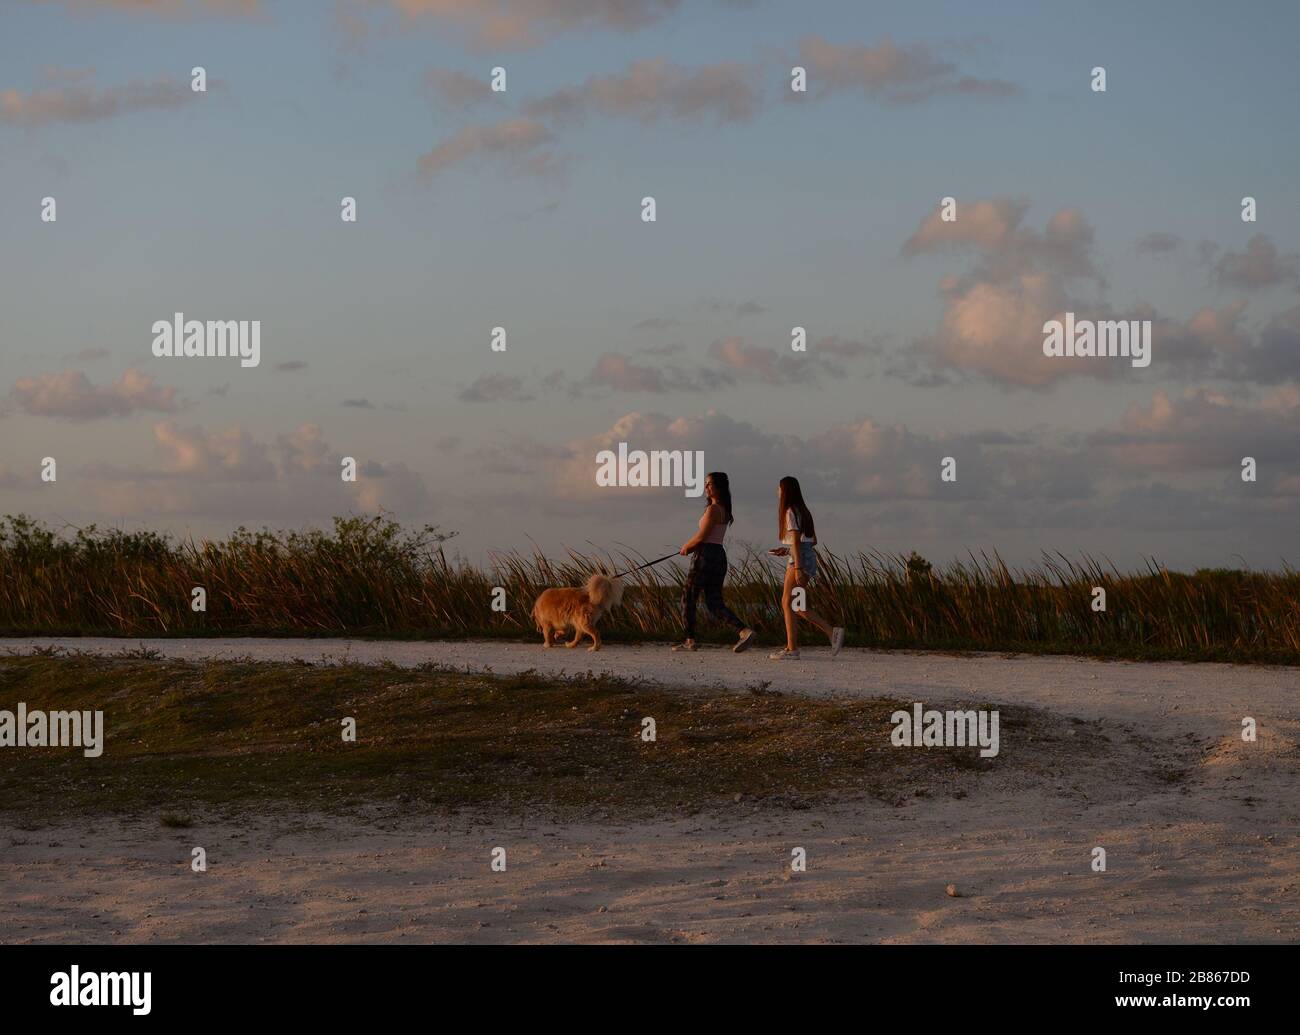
{"x": 792, "y": 524}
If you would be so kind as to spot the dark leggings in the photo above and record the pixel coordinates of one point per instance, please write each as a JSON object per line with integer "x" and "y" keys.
{"x": 708, "y": 569}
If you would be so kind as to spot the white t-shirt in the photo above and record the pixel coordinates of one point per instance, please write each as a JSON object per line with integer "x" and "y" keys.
{"x": 792, "y": 524}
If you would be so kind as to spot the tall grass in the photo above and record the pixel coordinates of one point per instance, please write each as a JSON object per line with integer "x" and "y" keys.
{"x": 370, "y": 576}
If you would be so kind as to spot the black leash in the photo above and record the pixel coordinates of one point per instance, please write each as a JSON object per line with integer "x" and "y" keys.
{"x": 647, "y": 564}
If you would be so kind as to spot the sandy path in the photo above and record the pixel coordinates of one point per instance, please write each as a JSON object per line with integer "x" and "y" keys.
{"x": 1213, "y": 856}
{"x": 1202, "y": 698}
{"x": 1176, "y": 873}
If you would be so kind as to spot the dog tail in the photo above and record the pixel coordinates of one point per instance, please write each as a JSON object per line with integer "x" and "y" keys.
{"x": 600, "y": 590}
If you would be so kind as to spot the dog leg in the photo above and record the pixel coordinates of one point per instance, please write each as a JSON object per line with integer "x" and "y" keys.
{"x": 547, "y": 633}
{"x": 586, "y": 628}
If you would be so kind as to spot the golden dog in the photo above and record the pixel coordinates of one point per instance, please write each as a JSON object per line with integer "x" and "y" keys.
{"x": 558, "y": 609}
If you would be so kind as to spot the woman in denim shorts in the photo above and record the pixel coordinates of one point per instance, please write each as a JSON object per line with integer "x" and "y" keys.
{"x": 799, "y": 534}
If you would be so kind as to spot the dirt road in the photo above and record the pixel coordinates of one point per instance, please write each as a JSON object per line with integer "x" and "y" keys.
{"x": 1202, "y": 847}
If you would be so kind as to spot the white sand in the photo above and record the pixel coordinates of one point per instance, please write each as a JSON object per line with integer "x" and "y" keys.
{"x": 1210, "y": 857}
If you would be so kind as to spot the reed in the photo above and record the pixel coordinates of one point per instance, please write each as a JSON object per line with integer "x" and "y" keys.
{"x": 369, "y": 576}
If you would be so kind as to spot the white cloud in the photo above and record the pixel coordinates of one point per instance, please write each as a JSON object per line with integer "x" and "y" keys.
{"x": 71, "y": 395}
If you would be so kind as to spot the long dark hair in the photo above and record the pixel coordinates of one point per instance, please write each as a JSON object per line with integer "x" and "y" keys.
{"x": 791, "y": 498}
{"x": 722, "y": 490}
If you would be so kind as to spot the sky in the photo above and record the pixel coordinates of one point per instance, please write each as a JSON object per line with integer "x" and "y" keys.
{"x": 775, "y": 209}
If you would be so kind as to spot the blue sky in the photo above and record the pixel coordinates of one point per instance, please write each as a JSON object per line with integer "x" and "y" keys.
{"x": 797, "y": 211}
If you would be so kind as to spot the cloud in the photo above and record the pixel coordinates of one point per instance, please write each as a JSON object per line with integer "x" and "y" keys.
{"x": 621, "y": 374}
{"x": 994, "y": 330}
{"x": 1171, "y": 464}
{"x": 861, "y": 460}
{"x": 1276, "y": 355}
{"x": 760, "y": 363}
{"x": 71, "y": 396}
{"x": 83, "y": 103}
{"x": 392, "y": 487}
{"x": 495, "y": 388}
{"x": 518, "y": 141}
{"x": 654, "y": 89}
{"x": 519, "y": 456}
{"x": 784, "y": 366}
{"x": 994, "y": 229}
{"x": 731, "y": 361}
{"x": 525, "y": 23}
{"x": 232, "y": 473}
{"x": 993, "y": 315}
{"x": 1204, "y": 430}
{"x": 990, "y": 225}
{"x": 304, "y": 451}
{"x": 232, "y": 455}
{"x": 1259, "y": 266}
{"x": 889, "y": 73}
{"x": 1216, "y": 343}
{"x": 1202, "y": 346}
{"x": 747, "y": 450}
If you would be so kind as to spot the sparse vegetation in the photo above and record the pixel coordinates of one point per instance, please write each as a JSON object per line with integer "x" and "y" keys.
{"x": 186, "y": 742}
{"x": 371, "y": 577}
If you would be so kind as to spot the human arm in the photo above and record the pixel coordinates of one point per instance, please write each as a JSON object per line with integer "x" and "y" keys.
{"x": 796, "y": 537}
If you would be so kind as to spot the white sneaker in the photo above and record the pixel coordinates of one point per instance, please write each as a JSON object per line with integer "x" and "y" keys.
{"x": 837, "y": 640}
{"x": 785, "y": 654}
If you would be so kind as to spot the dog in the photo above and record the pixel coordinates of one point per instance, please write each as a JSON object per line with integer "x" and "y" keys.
{"x": 558, "y": 609}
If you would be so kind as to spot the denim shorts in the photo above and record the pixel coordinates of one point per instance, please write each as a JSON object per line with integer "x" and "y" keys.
{"x": 807, "y": 560}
